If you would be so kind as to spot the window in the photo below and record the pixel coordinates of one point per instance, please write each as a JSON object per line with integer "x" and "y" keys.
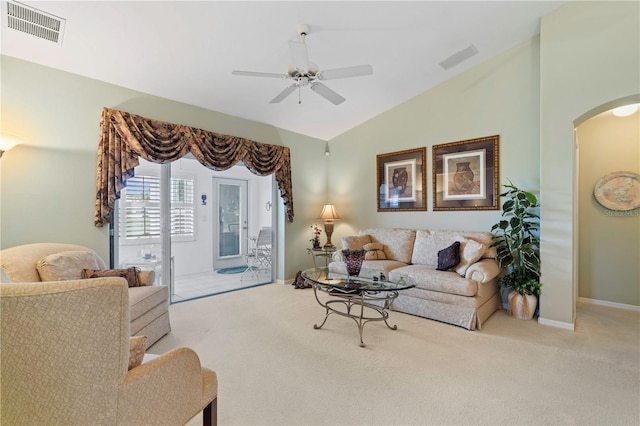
{"x": 182, "y": 209}
{"x": 140, "y": 221}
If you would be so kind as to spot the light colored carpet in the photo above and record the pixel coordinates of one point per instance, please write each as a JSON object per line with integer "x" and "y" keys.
{"x": 275, "y": 369}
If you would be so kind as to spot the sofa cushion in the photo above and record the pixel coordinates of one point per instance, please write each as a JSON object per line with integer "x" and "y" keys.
{"x": 428, "y": 278}
{"x": 449, "y": 257}
{"x": 369, "y": 269}
{"x": 430, "y": 242}
{"x": 65, "y": 265}
{"x": 355, "y": 242}
{"x": 470, "y": 252}
{"x": 397, "y": 242}
{"x": 144, "y": 298}
{"x": 130, "y": 274}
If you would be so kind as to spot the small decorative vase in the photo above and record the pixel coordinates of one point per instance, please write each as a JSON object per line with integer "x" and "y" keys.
{"x": 316, "y": 244}
{"x": 522, "y": 306}
{"x": 353, "y": 259}
{"x": 463, "y": 177}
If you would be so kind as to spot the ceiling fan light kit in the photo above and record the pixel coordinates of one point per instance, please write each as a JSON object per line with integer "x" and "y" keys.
{"x": 305, "y": 73}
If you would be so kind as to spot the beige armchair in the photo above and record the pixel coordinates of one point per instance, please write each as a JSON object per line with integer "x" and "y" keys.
{"x": 149, "y": 303}
{"x": 65, "y": 355}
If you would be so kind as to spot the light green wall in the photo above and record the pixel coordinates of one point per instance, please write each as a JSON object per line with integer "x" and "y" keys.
{"x": 499, "y": 96}
{"x": 609, "y": 241}
{"x": 589, "y": 55}
{"x": 48, "y": 184}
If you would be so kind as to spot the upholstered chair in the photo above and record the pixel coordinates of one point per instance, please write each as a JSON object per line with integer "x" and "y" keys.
{"x": 68, "y": 359}
{"x": 149, "y": 304}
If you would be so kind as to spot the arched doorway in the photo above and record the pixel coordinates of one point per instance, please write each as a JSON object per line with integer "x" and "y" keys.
{"x": 608, "y": 240}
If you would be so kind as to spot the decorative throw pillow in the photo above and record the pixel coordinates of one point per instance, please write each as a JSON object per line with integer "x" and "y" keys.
{"x": 355, "y": 242}
{"x": 137, "y": 345}
{"x": 373, "y": 246}
{"x": 470, "y": 252}
{"x": 449, "y": 257}
{"x": 130, "y": 274}
{"x": 65, "y": 265}
{"x": 374, "y": 251}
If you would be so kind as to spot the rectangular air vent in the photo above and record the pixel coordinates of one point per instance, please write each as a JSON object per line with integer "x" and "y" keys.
{"x": 34, "y": 22}
{"x": 459, "y": 57}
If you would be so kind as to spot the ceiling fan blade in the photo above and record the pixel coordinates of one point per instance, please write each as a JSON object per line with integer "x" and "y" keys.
{"x": 259, "y": 74}
{"x": 299, "y": 55}
{"x": 327, "y": 93}
{"x": 286, "y": 92}
{"x": 345, "y": 72}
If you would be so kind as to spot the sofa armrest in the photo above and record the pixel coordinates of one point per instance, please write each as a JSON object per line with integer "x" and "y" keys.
{"x": 337, "y": 256}
{"x": 483, "y": 271}
{"x": 143, "y": 395}
{"x": 146, "y": 277}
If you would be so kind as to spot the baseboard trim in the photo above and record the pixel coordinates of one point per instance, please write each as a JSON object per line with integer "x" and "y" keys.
{"x": 557, "y": 324}
{"x": 609, "y": 304}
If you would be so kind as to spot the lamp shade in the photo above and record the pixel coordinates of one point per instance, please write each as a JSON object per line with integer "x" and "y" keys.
{"x": 329, "y": 212}
{"x": 8, "y": 141}
{"x": 625, "y": 110}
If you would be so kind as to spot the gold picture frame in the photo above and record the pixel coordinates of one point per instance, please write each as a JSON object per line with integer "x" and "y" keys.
{"x": 402, "y": 181}
{"x": 466, "y": 174}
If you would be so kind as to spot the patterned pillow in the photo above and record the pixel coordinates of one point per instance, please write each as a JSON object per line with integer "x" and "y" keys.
{"x": 470, "y": 252}
{"x": 130, "y": 274}
{"x": 449, "y": 257}
{"x": 374, "y": 251}
{"x": 355, "y": 242}
{"x": 137, "y": 345}
{"x": 65, "y": 265}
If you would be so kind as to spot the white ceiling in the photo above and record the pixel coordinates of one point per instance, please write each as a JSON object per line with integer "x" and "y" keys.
{"x": 185, "y": 51}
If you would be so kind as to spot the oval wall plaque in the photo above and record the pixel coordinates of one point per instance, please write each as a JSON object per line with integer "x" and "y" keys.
{"x": 619, "y": 191}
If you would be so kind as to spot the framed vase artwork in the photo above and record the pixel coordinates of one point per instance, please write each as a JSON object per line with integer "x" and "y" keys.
{"x": 401, "y": 183}
{"x": 466, "y": 174}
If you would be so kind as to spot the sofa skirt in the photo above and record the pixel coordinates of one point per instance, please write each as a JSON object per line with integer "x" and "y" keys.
{"x": 467, "y": 317}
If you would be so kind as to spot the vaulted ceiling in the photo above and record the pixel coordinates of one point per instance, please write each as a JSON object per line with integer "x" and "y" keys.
{"x": 186, "y": 50}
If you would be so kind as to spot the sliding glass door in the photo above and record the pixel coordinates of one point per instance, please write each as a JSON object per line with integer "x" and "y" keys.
{"x": 194, "y": 226}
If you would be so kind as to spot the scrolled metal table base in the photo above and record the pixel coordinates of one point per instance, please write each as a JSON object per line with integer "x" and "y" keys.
{"x": 362, "y": 299}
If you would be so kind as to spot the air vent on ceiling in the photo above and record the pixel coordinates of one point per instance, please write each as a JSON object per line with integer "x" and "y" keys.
{"x": 458, "y": 57}
{"x": 34, "y": 22}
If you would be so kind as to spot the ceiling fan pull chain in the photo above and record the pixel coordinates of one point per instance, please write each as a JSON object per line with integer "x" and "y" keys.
{"x": 299, "y": 95}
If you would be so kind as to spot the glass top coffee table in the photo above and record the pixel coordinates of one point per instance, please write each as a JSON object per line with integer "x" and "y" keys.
{"x": 370, "y": 298}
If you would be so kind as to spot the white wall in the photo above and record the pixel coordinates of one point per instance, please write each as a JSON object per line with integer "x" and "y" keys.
{"x": 47, "y": 188}
{"x": 590, "y": 55}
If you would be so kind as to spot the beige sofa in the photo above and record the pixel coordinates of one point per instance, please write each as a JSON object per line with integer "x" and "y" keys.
{"x": 149, "y": 304}
{"x": 465, "y": 295}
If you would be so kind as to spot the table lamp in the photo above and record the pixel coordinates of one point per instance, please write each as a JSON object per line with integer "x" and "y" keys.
{"x": 7, "y": 142}
{"x": 329, "y": 215}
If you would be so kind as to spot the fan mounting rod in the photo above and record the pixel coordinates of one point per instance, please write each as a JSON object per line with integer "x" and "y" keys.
{"x": 302, "y": 30}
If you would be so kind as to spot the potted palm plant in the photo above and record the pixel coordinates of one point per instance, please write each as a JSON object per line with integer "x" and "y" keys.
{"x": 517, "y": 245}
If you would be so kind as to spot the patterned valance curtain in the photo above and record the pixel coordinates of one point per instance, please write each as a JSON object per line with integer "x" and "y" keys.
{"x": 124, "y": 137}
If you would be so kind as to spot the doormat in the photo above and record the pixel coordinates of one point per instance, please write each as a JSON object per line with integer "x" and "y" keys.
{"x": 232, "y": 270}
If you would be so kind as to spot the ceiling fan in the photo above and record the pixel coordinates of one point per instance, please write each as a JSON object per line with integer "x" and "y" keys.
{"x": 305, "y": 73}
